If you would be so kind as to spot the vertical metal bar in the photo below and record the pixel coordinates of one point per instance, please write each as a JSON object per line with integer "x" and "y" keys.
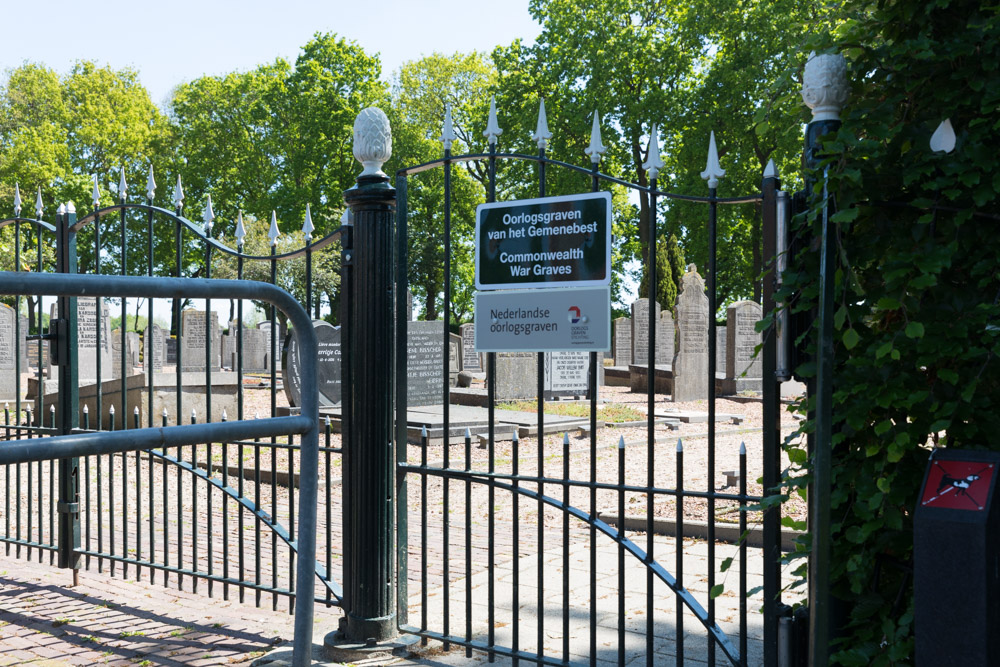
{"x": 679, "y": 549}
{"x": 239, "y": 416}
{"x": 712, "y": 307}
{"x": 819, "y": 506}
{"x": 138, "y": 494}
{"x": 166, "y": 513}
{"x": 468, "y": 543}
{"x": 651, "y": 422}
{"x": 491, "y": 393}
{"x": 179, "y": 382}
{"x": 256, "y": 503}
{"x": 274, "y": 409}
{"x": 347, "y": 397}
{"x": 195, "y": 570}
{"x": 69, "y": 469}
{"x": 111, "y": 493}
{"x": 516, "y": 564}
{"x": 540, "y": 565}
{"x": 423, "y": 531}
{"x": 6, "y": 470}
{"x": 743, "y": 555}
{"x": 445, "y": 408}
{"x": 592, "y": 388}
{"x": 86, "y": 485}
{"x": 621, "y": 551}
{"x": 147, "y": 361}
{"x": 771, "y": 432}
{"x": 402, "y": 501}
{"x": 209, "y": 465}
{"x": 225, "y": 515}
{"x": 123, "y": 384}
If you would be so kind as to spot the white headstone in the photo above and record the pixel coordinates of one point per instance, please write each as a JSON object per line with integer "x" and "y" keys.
{"x": 691, "y": 360}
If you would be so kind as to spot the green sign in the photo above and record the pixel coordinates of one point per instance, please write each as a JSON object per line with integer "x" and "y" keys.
{"x": 548, "y": 242}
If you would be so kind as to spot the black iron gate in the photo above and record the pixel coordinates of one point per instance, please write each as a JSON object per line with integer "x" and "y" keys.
{"x": 518, "y": 564}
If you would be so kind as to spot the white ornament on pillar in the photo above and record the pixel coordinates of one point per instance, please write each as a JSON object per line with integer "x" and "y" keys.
{"x": 372, "y": 141}
{"x": 824, "y": 85}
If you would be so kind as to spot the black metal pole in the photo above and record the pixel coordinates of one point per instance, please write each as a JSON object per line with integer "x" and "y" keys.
{"x": 370, "y": 465}
{"x": 69, "y": 469}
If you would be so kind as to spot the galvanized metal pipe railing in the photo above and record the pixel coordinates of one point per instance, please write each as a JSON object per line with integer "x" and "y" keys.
{"x": 306, "y": 424}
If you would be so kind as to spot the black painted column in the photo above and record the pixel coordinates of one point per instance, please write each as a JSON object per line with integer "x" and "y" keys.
{"x": 369, "y": 577}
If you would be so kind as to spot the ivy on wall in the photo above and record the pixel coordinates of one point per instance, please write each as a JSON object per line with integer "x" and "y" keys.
{"x": 917, "y": 315}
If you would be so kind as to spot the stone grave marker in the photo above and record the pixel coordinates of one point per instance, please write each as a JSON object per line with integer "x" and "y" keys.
{"x": 8, "y": 354}
{"x": 623, "y": 341}
{"x": 640, "y": 330}
{"x": 133, "y": 346}
{"x": 154, "y": 352}
{"x": 517, "y": 375}
{"x": 665, "y": 338}
{"x": 470, "y": 358}
{"x": 23, "y": 349}
{"x": 193, "y": 335}
{"x": 116, "y": 355}
{"x": 721, "y": 342}
{"x": 742, "y": 318}
{"x": 170, "y": 345}
{"x": 691, "y": 359}
{"x": 424, "y": 360}
{"x": 87, "y": 323}
{"x": 329, "y": 367}
{"x": 566, "y": 373}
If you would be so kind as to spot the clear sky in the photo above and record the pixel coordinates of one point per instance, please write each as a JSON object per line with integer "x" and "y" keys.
{"x": 177, "y": 41}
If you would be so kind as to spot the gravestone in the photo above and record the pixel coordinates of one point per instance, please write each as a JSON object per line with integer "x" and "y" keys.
{"x": 328, "y": 364}
{"x": 116, "y": 355}
{"x": 87, "y": 323}
{"x": 8, "y": 354}
{"x": 133, "y": 347}
{"x": 170, "y": 344}
{"x": 265, "y": 326}
{"x": 640, "y": 330}
{"x": 23, "y": 349}
{"x": 229, "y": 349}
{"x": 193, "y": 337}
{"x": 154, "y": 353}
{"x": 409, "y": 306}
{"x": 721, "y": 343}
{"x": 665, "y": 338}
{"x": 623, "y": 341}
{"x": 470, "y": 358}
{"x": 567, "y": 373}
{"x": 691, "y": 359}
{"x": 741, "y": 365}
{"x": 517, "y": 375}
{"x": 425, "y": 359}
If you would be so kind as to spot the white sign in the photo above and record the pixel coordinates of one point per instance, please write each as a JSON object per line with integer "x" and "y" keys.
{"x": 544, "y": 320}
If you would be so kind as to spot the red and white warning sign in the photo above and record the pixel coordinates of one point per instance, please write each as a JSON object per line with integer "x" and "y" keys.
{"x": 958, "y": 485}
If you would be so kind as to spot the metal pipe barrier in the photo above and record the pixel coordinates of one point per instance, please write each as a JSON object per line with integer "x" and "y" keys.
{"x": 306, "y": 425}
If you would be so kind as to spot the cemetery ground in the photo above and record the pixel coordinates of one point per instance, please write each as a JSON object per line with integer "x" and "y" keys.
{"x": 140, "y": 616}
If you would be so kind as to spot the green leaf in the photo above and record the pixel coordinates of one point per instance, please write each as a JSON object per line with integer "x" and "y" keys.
{"x": 716, "y": 591}
{"x": 726, "y": 564}
{"x": 948, "y": 375}
{"x": 914, "y": 330}
{"x": 851, "y": 339}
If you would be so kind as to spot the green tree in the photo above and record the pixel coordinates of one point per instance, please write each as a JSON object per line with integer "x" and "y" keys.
{"x": 669, "y": 269}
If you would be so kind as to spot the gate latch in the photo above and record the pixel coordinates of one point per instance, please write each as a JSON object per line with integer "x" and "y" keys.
{"x": 58, "y": 331}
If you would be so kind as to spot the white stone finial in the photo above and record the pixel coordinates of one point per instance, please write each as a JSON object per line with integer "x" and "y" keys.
{"x": 61, "y": 210}
{"x": 372, "y": 140}
{"x": 347, "y": 218}
{"x": 39, "y": 208}
{"x": 150, "y": 183}
{"x": 17, "y": 201}
{"x": 95, "y": 197}
{"x": 824, "y": 85}
{"x": 713, "y": 171}
{"x": 653, "y": 163}
{"x": 111, "y": 410}
{"x": 241, "y": 231}
{"x": 596, "y": 149}
{"x": 541, "y": 135}
{"x": 493, "y": 130}
{"x": 448, "y": 131}
{"x": 122, "y": 187}
{"x": 770, "y": 171}
{"x": 178, "y": 193}
{"x": 165, "y": 414}
{"x": 273, "y": 233}
{"x": 208, "y": 215}
{"x": 70, "y": 207}
{"x": 943, "y": 139}
{"x": 307, "y": 225}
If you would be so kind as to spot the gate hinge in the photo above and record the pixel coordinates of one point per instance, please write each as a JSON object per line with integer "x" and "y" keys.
{"x": 68, "y": 508}
{"x": 58, "y": 330}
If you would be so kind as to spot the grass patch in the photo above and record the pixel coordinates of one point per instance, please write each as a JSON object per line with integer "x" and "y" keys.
{"x": 615, "y": 413}
{"x": 132, "y": 633}
{"x": 61, "y": 621}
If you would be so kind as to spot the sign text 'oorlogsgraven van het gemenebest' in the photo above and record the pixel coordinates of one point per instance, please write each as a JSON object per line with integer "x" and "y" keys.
{"x": 547, "y": 242}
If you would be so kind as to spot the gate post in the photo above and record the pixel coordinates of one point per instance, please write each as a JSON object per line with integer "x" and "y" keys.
{"x": 66, "y": 329}
{"x": 369, "y": 461}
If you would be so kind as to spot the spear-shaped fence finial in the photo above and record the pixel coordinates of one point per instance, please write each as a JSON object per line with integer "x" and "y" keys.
{"x": 596, "y": 149}
{"x": 39, "y": 208}
{"x": 493, "y": 130}
{"x": 273, "y": 233}
{"x": 208, "y": 215}
{"x": 61, "y": 211}
{"x": 122, "y": 187}
{"x": 241, "y": 232}
{"x": 448, "y": 131}
{"x": 653, "y": 163}
{"x": 770, "y": 171}
{"x": 178, "y": 193}
{"x": 17, "y": 201}
{"x": 95, "y": 197}
{"x": 150, "y": 183}
{"x": 541, "y": 135}
{"x": 307, "y": 225}
{"x": 713, "y": 171}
